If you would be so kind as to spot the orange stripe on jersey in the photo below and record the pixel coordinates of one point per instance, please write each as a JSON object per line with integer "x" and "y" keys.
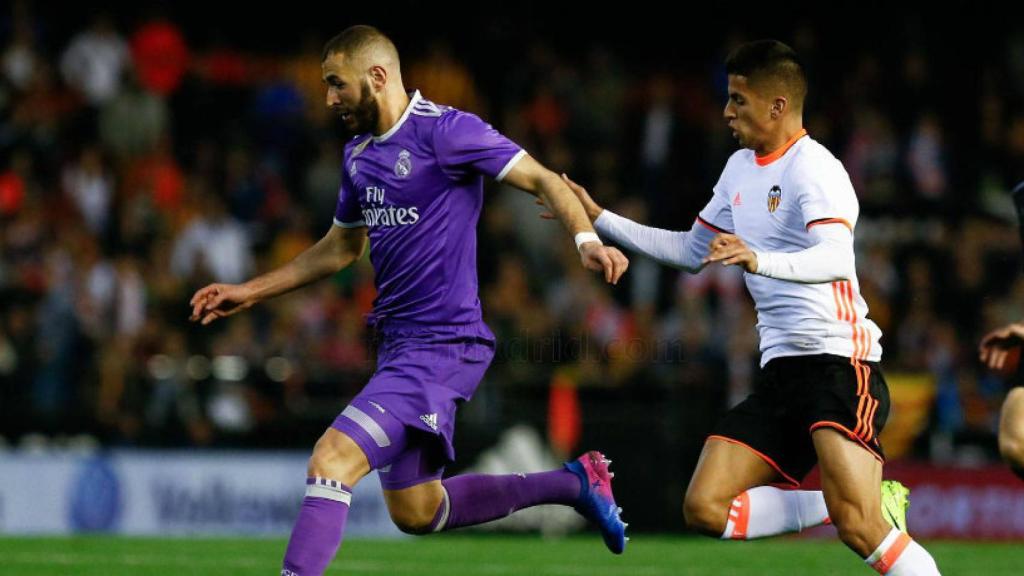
{"x": 844, "y": 313}
{"x": 766, "y": 160}
{"x": 856, "y": 355}
{"x": 861, "y": 344}
{"x": 842, "y": 300}
{"x": 839, "y": 306}
{"x": 849, "y": 300}
{"x": 867, "y": 341}
{"x": 867, "y": 381}
{"x": 842, "y": 221}
{"x": 890, "y": 556}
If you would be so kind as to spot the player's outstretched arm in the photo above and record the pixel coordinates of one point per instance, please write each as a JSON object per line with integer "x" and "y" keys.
{"x": 685, "y": 250}
{"x": 530, "y": 176}
{"x": 336, "y": 250}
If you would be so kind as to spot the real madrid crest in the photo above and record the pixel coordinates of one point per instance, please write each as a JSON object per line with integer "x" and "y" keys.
{"x": 774, "y": 198}
{"x": 403, "y": 167}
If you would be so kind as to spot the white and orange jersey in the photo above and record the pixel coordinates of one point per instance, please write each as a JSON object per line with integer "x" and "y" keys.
{"x": 771, "y": 203}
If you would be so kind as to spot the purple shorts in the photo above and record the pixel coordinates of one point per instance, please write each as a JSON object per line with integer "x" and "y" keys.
{"x": 404, "y": 418}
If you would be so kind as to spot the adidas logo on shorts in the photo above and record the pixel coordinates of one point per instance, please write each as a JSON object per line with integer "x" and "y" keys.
{"x": 430, "y": 420}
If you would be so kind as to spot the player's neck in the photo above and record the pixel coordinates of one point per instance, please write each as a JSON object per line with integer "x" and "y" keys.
{"x": 391, "y": 111}
{"x": 781, "y": 139}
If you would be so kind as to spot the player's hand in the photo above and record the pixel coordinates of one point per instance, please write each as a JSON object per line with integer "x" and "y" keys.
{"x": 729, "y": 249}
{"x": 607, "y": 259}
{"x": 592, "y": 209}
{"x": 219, "y": 301}
{"x": 997, "y": 345}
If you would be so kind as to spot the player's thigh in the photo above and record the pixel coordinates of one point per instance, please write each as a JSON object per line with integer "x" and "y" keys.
{"x": 724, "y": 470}
{"x": 1011, "y": 427}
{"x": 851, "y": 475}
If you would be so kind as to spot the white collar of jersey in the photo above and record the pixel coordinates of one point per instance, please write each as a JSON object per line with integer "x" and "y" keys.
{"x": 413, "y": 99}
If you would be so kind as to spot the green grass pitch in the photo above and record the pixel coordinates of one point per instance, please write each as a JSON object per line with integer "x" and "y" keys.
{"x": 486, "y": 555}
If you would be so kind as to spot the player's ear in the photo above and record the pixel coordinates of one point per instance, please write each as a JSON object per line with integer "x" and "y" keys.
{"x": 378, "y": 77}
{"x": 779, "y": 106}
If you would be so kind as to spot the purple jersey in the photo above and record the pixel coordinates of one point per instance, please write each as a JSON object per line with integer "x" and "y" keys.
{"x": 419, "y": 189}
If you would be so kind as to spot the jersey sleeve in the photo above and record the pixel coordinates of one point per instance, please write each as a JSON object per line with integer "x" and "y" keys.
{"x": 465, "y": 145}
{"x": 830, "y": 259}
{"x": 827, "y": 197}
{"x": 348, "y": 214}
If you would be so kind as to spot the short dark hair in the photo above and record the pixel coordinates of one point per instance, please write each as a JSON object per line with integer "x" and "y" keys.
{"x": 773, "y": 61}
{"x": 355, "y": 39}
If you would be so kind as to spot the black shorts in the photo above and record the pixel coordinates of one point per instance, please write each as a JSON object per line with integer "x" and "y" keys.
{"x": 796, "y": 395}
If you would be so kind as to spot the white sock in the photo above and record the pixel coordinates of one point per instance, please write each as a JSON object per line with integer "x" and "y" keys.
{"x": 899, "y": 555}
{"x": 767, "y": 511}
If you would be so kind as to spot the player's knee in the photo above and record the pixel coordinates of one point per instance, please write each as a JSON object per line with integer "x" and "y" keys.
{"x": 325, "y": 459}
{"x": 1011, "y": 447}
{"x": 704, "y": 514}
{"x": 320, "y": 465}
{"x": 337, "y": 458}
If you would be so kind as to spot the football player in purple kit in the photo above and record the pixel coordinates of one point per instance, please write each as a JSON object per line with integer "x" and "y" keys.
{"x": 412, "y": 184}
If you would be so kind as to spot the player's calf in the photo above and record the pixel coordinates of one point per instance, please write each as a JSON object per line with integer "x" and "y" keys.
{"x": 413, "y": 521}
{"x": 706, "y": 513}
{"x": 335, "y": 466}
{"x": 860, "y": 528}
{"x": 416, "y": 510}
{"x": 470, "y": 499}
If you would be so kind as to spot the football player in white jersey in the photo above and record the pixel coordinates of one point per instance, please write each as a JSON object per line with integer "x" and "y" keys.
{"x": 785, "y": 211}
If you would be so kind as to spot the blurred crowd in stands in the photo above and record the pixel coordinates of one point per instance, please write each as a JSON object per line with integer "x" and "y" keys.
{"x": 142, "y": 156}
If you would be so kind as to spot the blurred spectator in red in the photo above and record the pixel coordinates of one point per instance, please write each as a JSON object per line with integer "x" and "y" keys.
{"x": 160, "y": 54}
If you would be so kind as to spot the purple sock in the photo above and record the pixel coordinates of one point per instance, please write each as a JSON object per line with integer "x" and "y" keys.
{"x": 477, "y": 498}
{"x": 318, "y": 529}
